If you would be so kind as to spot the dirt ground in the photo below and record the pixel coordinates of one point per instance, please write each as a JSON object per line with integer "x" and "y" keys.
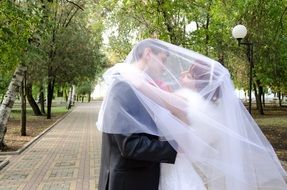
{"x": 35, "y": 126}
{"x": 274, "y": 125}
{"x": 278, "y": 139}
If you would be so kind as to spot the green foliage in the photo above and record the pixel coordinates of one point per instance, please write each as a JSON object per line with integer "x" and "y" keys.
{"x": 67, "y": 37}
{"x": 130, "y": 20}
{"x": 85, "y": 88}
{"x": 267, "y": 23}
{"x": 50, "y": 34}
{"x": 17, "y": 24}
{"x": 77, "y": 45}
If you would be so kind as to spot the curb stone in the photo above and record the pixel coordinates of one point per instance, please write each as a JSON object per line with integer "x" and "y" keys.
{"x": 3, "y": 162}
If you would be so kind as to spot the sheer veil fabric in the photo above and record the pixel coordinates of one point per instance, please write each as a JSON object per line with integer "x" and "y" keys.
{"x": 192, "y": 101}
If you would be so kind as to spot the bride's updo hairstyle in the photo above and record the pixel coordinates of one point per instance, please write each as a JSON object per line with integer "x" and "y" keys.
{"x": 204, "y": 76}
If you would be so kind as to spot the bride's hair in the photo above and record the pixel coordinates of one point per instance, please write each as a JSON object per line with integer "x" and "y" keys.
{"x": 204, "y": 76}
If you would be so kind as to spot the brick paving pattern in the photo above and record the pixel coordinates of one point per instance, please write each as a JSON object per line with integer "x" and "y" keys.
{"x": 66, "y": 158}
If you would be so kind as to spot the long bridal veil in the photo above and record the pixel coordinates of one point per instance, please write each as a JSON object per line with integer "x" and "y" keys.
{"x": 191, "y": 99}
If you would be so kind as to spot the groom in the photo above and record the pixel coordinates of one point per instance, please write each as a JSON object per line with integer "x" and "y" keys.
{"x": 132, "y": 161}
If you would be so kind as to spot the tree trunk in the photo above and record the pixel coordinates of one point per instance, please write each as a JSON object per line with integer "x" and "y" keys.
{"x": 258, "y": 98}
{"x": 2, "y": 98}
{"x": 89, "y": 97}
{"x": 73, "y": 95}
{"x": 42, "y": 99}
{"x": 51, "y": 82}
{"x": 221, "y": 59}
{"x": 207, "y": 32}
{"x": 263, "y": 98}
{"x": 167, "y": 22}
{"x": 23, "y": 120}
{"x": 280, "y": 99}
{"x": 8, "y": 101}
{"x": 69, "y": 102}
{"x": 31, "y": 100}
{"x": 66, "y": 95}
{"x": 51, "y": 77}
{"x": 83, "y": 99}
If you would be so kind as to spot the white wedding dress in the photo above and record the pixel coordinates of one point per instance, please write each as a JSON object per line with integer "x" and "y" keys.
{"x": 180, "y": 176}
{"x": 183, "y": 175}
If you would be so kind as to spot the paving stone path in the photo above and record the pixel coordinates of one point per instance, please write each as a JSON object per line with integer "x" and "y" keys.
{"x": 65, "y": 158}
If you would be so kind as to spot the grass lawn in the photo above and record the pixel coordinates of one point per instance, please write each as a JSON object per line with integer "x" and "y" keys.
{"x": 35, "y": 125}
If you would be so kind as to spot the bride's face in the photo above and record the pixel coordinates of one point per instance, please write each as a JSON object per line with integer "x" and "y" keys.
{"x": 186, "y": 79}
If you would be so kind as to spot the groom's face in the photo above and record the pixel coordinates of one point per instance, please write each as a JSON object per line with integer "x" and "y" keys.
{"x": 156, "y": 63}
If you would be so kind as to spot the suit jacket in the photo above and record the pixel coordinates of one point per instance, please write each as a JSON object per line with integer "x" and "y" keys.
{"x": 131, "y": 161}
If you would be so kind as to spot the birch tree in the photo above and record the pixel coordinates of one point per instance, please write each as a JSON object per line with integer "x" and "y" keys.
{"x": 17, "y": 26}
{"x": 8, "y": 102}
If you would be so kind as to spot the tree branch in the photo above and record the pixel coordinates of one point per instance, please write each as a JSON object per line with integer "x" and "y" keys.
{"x": 281, "y": 18}
{"x": 141, "y": 20}
{"x": 75, "y": 4}
{"x": 66, "y": 25}
{"x": 68, "y": 15}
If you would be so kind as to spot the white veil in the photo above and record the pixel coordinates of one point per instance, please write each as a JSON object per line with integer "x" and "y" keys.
{"x": 192, "y": 101}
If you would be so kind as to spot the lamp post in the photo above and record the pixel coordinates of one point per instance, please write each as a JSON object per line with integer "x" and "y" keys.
{"x": 239, "y": 32}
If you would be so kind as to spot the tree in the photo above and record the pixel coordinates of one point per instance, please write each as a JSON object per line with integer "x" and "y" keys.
{"x": 85, "y": 89}
{"x": 17, "y": 25}
{"x": 8, "y": 102}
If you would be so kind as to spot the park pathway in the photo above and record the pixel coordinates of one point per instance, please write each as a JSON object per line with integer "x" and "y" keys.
{"x": 65, "y": 158}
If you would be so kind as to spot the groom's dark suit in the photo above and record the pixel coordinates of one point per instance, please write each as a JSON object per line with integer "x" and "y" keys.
{"x": 132, "y": 161}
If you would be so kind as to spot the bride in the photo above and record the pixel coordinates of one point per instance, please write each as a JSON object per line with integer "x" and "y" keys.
{"x": 192, "y": 101}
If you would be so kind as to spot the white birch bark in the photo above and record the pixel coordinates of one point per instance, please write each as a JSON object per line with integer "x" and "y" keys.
{"x": 9, "y": 99}
{"x": 69, "y": 103}
{"x": 73, "y": 95}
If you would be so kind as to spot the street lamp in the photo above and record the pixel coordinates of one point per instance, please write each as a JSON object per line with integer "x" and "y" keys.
{"x": 239, "y": 32}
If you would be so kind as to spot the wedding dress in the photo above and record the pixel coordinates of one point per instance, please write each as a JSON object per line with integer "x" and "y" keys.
{"x": 183, "y": 175}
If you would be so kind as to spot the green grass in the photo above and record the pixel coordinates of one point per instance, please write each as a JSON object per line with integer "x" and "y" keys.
{"x": 16, "y": 112}
{"x": 272, "y": 122}
{"x": 59, "y": 109}
{"x": 274, "y": 117}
